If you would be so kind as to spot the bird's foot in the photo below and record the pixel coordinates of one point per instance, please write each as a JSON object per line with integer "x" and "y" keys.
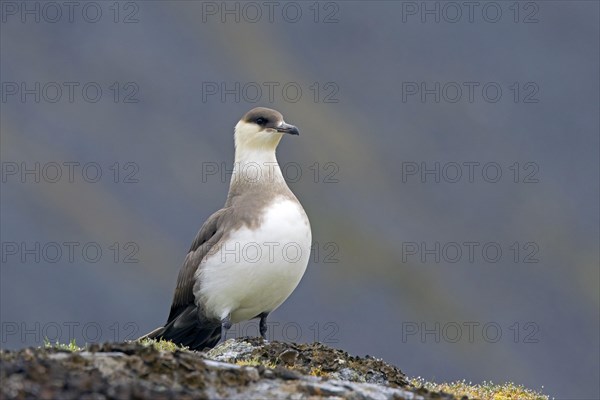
{"x": 225, "y": 326}
{"x": 263, "y": 325}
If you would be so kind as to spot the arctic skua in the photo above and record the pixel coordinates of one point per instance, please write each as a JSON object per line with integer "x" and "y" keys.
{"x": 249, "y": 256}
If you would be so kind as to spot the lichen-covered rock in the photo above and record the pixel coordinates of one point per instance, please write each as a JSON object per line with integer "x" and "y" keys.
{"x": 310, "y": 359}
{"x": 238, "y": 369}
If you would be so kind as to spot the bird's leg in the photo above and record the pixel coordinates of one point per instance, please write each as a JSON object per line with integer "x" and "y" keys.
{"x": 263, "y": 325}
{"x": 225, "y": 326}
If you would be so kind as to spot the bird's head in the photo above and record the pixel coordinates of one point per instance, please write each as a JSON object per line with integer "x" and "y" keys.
{"x": 261, "y": 129}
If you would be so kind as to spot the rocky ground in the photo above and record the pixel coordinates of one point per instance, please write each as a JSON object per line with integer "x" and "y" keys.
{"x": 246, "y": 368}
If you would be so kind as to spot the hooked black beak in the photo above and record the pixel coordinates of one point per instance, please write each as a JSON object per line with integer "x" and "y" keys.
{"x": 287, "y": 128}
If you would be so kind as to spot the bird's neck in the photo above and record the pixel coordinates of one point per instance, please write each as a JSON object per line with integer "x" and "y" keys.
{"x": 256, "y": 166}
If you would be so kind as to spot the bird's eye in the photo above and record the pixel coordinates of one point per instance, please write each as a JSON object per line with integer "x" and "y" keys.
{"x": 261, "y": 121}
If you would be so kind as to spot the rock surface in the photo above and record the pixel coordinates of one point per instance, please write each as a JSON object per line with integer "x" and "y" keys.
{"x": 246, "y": 368}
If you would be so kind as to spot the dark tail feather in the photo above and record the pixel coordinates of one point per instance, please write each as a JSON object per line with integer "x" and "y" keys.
{"x": 187, "y": 330}
{"x": 153, "y": 334}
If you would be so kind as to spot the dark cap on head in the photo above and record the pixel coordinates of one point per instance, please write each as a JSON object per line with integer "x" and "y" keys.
{"x": 268, "y": 118}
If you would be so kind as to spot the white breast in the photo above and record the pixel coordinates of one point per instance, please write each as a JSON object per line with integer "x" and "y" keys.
{"x": 254, "y": 271}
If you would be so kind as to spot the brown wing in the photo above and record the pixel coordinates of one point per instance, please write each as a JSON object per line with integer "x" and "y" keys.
{"x": 208, "y": 235}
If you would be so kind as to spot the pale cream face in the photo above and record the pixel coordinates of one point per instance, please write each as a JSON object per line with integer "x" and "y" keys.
{"x": 250, "y": 136}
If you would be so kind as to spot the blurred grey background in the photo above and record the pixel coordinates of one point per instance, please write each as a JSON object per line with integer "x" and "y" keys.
{"x": 359, "y": 80}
